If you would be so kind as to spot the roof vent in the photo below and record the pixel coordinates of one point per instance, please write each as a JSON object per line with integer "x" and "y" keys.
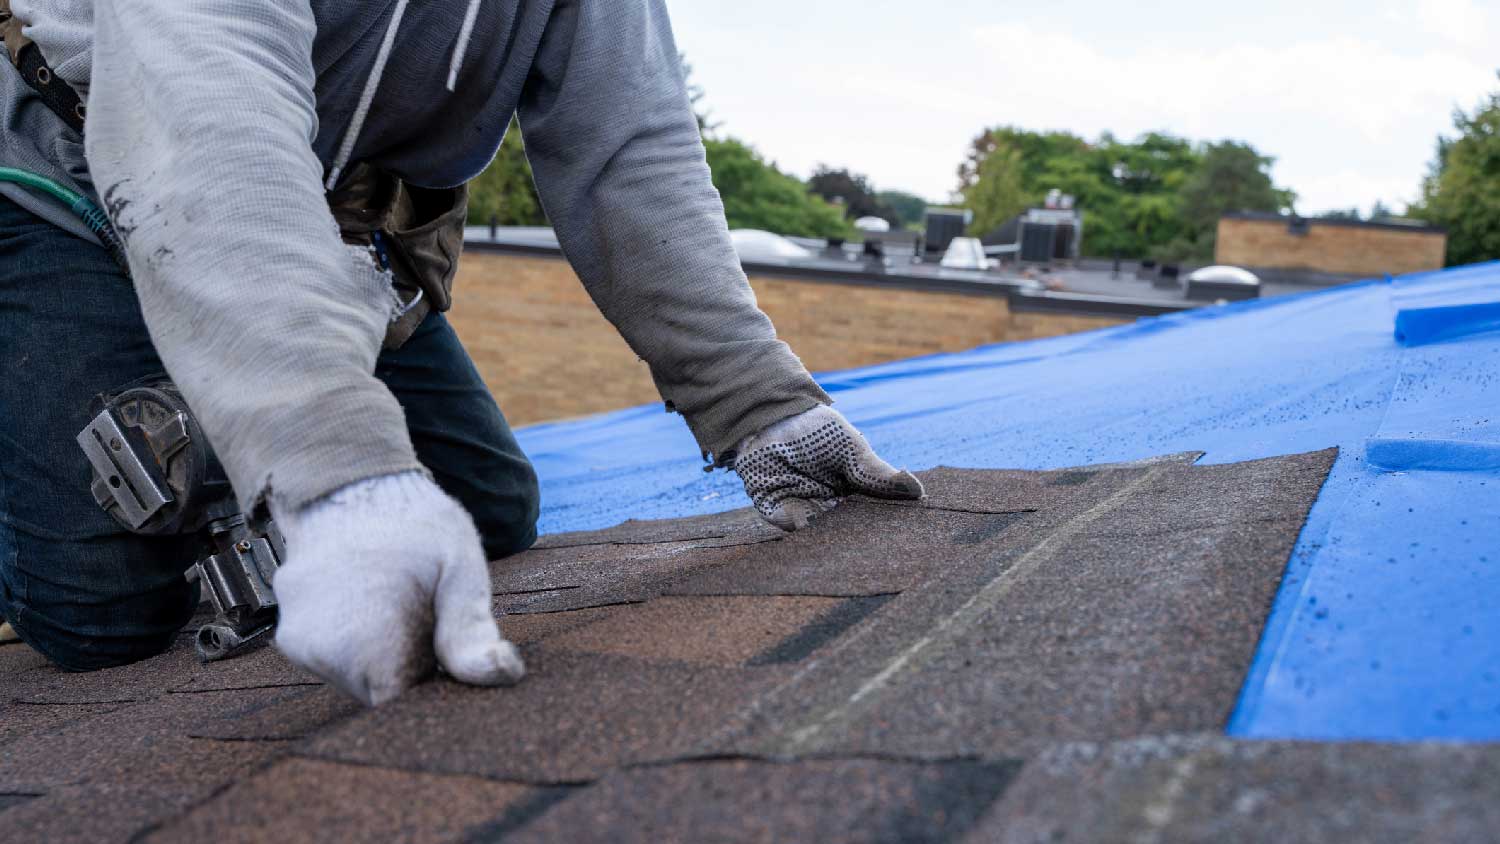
{"x": 1222, "y": 283}
{"x": 966, "y": 253}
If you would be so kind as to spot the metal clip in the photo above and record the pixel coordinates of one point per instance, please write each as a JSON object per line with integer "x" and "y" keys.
{"x": 123, "y": 478}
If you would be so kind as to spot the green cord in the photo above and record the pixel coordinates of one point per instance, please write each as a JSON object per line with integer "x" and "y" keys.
{"x": 41, "y": 183}
{"x": 77, "y": 203}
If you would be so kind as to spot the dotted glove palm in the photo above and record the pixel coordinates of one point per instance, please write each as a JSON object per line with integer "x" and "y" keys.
{"x": 800, "y": 467}
{"x": 381, "y": 577}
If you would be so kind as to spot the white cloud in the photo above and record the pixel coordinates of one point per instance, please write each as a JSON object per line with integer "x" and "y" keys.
{"x": 1348, "y": 188}
{"x": 1355, "y": 87}
{"x": 1462, "y": 22}
{"x": 1317, "y": 104}
{"x": 1351, "y": 116}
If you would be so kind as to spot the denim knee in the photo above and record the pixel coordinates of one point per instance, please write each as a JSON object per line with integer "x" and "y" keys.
{"x": 507, "y": 518}
{"x": 85, "y": 623}
{"x": 86, "y": 639}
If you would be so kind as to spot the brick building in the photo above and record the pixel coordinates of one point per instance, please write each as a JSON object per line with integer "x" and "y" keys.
{"x": 1344, "y": 247}
{"x": 547, "y": 353}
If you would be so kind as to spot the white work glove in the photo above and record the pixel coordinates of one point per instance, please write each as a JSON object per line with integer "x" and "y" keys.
{"x": 800, "y": 467}
{"x": 380, "y": 576}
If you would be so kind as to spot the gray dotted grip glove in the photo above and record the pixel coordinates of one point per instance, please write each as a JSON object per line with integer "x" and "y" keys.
{"x": 800, "y": 467}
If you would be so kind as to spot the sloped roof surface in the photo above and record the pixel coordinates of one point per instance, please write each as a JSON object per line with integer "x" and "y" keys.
{"x": 985, "y": 663}
{"x": 896, "y": 672}
{"x": 1387, "y": 625}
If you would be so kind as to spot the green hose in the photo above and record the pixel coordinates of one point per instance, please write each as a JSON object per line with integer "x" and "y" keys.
{"x": 75, "y": 202}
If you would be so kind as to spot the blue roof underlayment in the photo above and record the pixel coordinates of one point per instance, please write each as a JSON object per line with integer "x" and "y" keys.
{"x": 1387, "y": 624}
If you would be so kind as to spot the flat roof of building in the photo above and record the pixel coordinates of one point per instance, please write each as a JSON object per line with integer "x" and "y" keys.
{"x": 1389, "y": 223}
{"x": 1087, "y": 287}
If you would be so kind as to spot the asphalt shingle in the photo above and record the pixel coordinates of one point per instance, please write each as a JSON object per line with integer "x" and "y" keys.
{"x": 578, "y": 577}
{"x": 1050, "y": 634}
{"x": 1208, "y": 788}
{"x": 711, "y": 630}
{"x": 860, "y": 548}
{"x": 733, "y": 526}
{"x": 147, "y": 742}
{"x": 576, "y": 716}
{"x": 854, "y": 800}
{"x": 343, "y": 803}
{"x": 98, "y": 812}
{"x": 880, "y": 676}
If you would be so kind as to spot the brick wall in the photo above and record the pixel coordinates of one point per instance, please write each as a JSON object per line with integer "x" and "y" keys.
{"x": 546, "y": 353}
{"x": 1364, "y": 250}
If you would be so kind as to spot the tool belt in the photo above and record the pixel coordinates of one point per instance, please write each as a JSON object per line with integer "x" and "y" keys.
{"x": 415, "y": 233}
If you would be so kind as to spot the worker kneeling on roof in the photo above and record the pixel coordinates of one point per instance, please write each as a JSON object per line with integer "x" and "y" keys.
{"x": 286, "y": 179}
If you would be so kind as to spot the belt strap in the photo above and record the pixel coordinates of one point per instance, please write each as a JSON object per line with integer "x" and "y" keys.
{"x": 56, "y": 94}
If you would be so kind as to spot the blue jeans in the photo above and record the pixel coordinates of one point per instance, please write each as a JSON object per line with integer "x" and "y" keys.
{"x": 76, "y": 586}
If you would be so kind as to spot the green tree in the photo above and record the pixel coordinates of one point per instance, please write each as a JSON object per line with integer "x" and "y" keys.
{"x": 1036, "y": 149}
{"x": 1155, "y": 196}
{"x": 1462, "y": 190}
{"x": 910, "y": 208}
{"x": 854, "y": 192}
{"x": 998, "y": 192}
{"x": 758, "y": 196}
{"x": 505, "y": 192}
{"x": 1231, "y": 177}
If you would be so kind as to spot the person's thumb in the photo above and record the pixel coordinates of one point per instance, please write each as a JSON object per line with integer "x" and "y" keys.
{"x": 466, "y": 637}
{"x": 869, "y": 475}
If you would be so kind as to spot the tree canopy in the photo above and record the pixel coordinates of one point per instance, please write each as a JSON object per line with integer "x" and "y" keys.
{"x": 910, "y": 208}
{"x": 504, "y": 192}
{"x": 1462, "y": 189}
{"x": 999, "y": 191}
{"x": 758, "y": 196}
{"x": 853, "y": 192}
{"x": 1230, "y": 176}
{"x": 1156, "y": 196}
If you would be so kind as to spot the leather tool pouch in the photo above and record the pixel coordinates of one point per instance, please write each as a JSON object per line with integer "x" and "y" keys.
{"x": 416, "y": 233}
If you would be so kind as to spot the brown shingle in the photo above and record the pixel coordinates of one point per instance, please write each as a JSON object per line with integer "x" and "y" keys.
{"x": 1125, "y": 603}
{"x": 575, "y": 717}
{"x": 851, "y": 800}
{"x": 710, "y": 630}
{"x": 294, "y": 797}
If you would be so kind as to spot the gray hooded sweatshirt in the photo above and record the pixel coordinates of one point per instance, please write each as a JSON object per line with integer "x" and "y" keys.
{"x": 214, "y": 128}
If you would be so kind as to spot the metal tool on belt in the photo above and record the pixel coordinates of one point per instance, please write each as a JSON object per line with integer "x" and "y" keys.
{"x": 155, "y": 474}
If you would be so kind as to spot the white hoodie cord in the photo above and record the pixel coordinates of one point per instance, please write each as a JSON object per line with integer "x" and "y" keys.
{"x": 463, "y": 43}
{"x": 346, "y": 149}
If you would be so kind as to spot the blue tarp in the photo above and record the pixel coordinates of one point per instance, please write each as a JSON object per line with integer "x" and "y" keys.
{"x": 1387, "y": 624}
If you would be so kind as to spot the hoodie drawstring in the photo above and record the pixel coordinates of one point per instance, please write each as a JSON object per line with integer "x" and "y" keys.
{"x": 346, "y": 149}
{"x": 463, "y": 43}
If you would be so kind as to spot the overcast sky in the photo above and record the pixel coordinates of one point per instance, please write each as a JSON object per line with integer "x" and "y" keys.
{"x": 1348, "y": 96}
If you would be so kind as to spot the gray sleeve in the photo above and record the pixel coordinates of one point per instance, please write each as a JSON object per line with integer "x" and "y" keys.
{"x": 620, "y": 169}
{"x": 200, "y": 122}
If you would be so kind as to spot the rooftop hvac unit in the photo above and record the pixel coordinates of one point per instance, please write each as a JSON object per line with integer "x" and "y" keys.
{"x": 943, "y": 225}
{"x": 1038, "y": 242}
